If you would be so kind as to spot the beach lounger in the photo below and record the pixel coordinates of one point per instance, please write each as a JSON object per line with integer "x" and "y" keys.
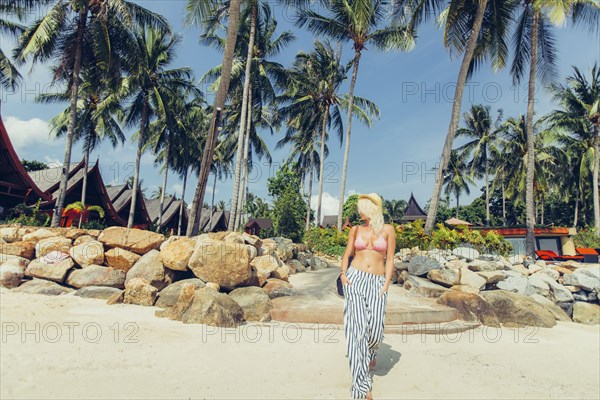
{"x": 589, "y": 255}
{"x": 549, "y": 255}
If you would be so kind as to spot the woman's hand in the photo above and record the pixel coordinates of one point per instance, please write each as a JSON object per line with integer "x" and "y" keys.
{"x": 344, "y": 279}
{"x": 384, "y": 290}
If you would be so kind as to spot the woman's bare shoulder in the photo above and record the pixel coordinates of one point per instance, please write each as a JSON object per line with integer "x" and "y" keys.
{"x": 388, "y": 228}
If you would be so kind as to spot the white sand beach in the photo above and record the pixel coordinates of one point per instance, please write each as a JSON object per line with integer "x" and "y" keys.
{"x": 74, "y": 348}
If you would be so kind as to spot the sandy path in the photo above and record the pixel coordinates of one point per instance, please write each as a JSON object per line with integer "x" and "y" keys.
{"x": 168, "y": 359}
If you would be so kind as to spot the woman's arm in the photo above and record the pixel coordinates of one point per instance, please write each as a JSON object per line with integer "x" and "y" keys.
{"x": 389, "y": 258}
{"x": 349, "y": 251}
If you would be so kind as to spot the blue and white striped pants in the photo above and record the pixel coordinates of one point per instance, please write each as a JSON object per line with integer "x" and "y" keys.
{"x": 364, "y": 315}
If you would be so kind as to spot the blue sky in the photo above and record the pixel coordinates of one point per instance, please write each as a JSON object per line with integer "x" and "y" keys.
{"x": 394, "y": 157}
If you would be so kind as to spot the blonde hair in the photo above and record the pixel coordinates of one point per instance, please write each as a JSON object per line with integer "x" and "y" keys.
{"x": 371, "y": 206}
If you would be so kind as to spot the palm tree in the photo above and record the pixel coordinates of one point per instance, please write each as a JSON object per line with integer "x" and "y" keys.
{"x": 478, "y": 31}
{"x": 484, "y": 134}
{"x": 196, "y": 11}
{"x": 534, "y": 44}
{"x": 150, "y": 85}
{"x": 358, "y": 21}
{"x": 579, "y": 117}
{"x": 394, "y": 209}
{"x": 60, "y": 34}
{"x": 9, "y": 75}
{"x": 457, "y": 179}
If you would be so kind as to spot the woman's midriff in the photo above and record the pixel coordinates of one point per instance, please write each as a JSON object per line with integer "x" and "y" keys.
{"x": 370, "y": 261}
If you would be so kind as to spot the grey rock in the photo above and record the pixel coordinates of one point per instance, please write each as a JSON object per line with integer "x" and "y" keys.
{"x": 168, "y": 296}
{"x": 255, "y": 302}
{"x": 468, "y": 253}
{"x": 151, "y": 269}
{"x": 492, "y": 277}
{"x": 515, "y": 284}
{"x": 444, "y": 276}
{"x": 423, "y": 287}
{"x": 470, "y": 278}
{"x": 482, "y": 265}
{"x": 421, "y": 265}
{"x": 549, "y": 305}
{"x": 558, "y": 292}
{"x": 54, "y": 272}
{"x": 97, "y": 275}
{"x": 515, "y": 309}
{"x": 586, "y": 313}
{"x": 42, "y": 286}
{"x": 98, "y": 292}
{"x": 210, "y": 307}
{"x": 586, "y": 278}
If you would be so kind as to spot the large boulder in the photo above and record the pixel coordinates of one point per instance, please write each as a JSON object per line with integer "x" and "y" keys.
{"x": 56, "y": 272}
{"x": 284, "y": 248}
{"x": 176, "y": 254}
{"x": 210, "y": 307}
{"x": 252, "y": 240}
{"x": 468, "y": 253}
{"x": 168, "y": 296}
{"x": 42, "y": 286}
{"x": 492, "y": 277}
{"x": 305, "y": 259}
{"x": 517, "y": 310}
{"x": 121, "y": 259}
{"x": 84, "y": 239}
{"x": 11, "y": 273}
{"x": 421, "y": 265}
{"x": 277, "y": 288}
{"x": 175, "y": 311}
{"x": 294, "y": 265}
{"x": 227, "y": 264}
{"x": 9, "y": 235}
{"x": 55, "y": 243}
{"x": 586, "y": 278}
{"x": 139, "y": 291}
{"x": 88, "y": 253}
{"x": 4, "y": 258}
{"x": 549, "y": 305}
{"x": 423, "y": 287}
{"x": 150, "y": 269}
{"x": 586, "y": 313}
{"x": 255, "y": 302}
{"x": 21, "y": 249}
{"x": 484, "y": 265}
{"x": 444, "y": 276}
{"x": 282, "y": 272}
{"x": 135, "y": 240}
{"x": 470, "y": 278}
{"x": 97, "y": 275}
{"x": 38, "y": 235}
{"x": 558, "y": 292}
{"x": 470, "y": 307}
{"x": 264, "y": 266}
{"x": 98, "y": 292}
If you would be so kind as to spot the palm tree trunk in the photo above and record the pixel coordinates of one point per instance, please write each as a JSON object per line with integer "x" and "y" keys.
{"x": 456, "y": 106}
{"x": 487, "y": 192}
{"x": 212, "y": 202}
{"x": 86, "y": 162}
{"x": 310, "y": 181}
{"x": 181, "y": 206}
{"x": 244, "y": 174}
{"x": 138, "y": 157}
{"x": 322, "y": 166}
{"x": 62, "y": 191}
{"x": 164, "y": 186}
{"x": 595, "y": 184}
{"x": 503, "y": 204}
{"x": 576, "y": 207}
{"x": 357, "y": 54}
{"x": 209, "y": 147}
{"x": 243, "y": 116}
{"x": 457, "y": 197}
{"x": 542, "y": 210}
{"x": 529, "y": 177}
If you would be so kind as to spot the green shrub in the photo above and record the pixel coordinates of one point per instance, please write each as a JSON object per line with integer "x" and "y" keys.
{"x": 495, "y": 243}
{"x": 587, "y": 238}
{"x": 444, "y": 237}
{"x": 29, "y": 216}
{"x": 412, "y": 235}
{"x": 328, "y": 241}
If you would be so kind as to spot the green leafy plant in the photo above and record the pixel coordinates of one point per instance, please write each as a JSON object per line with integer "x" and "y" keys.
{"x": 29, "y": 216}
{"x": 495, "y": 243}
{"x": 444, "y": 237}
{"x": 586, "y": 238}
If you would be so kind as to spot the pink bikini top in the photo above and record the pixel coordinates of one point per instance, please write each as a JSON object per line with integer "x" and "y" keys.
{"x": 380, "y": 244}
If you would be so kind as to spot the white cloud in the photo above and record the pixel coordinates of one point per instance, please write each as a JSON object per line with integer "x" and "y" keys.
{"x": 28, "y": 133}
{"x": 329, "y": 204}
{"x": 176, "y": 189}
{"x": 52, "y": 162}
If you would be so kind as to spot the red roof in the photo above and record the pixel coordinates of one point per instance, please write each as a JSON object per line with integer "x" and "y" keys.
{"x": 16, "y": 186}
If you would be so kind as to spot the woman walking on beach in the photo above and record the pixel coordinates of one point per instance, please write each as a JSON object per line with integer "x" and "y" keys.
{"x": 365, "y": 284}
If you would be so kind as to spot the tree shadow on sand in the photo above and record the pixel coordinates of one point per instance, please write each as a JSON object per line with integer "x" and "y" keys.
{"x": 386, "y": 359}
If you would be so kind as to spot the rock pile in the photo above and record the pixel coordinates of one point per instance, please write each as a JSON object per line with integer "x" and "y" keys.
{"x": 492, "y": 289}
{"x": 221, "y": 278}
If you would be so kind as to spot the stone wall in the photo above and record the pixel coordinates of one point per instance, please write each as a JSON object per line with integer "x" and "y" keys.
{"x": 221, "y": 278}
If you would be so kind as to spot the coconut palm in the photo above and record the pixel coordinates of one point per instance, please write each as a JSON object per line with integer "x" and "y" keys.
{"x": 60, "y": 35}
{"x": 535, "y": 46}
{"x": 579, "y": 118}
{"x": 196, "y": 12}
{"x": 358, "y": 21}
{"x": 457, "y": 178}
{"x": 151, "y": 84}
{"x": 315, "y": 81}
{"x": 483, "y": 146}
{"x": 478, "y": 31}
